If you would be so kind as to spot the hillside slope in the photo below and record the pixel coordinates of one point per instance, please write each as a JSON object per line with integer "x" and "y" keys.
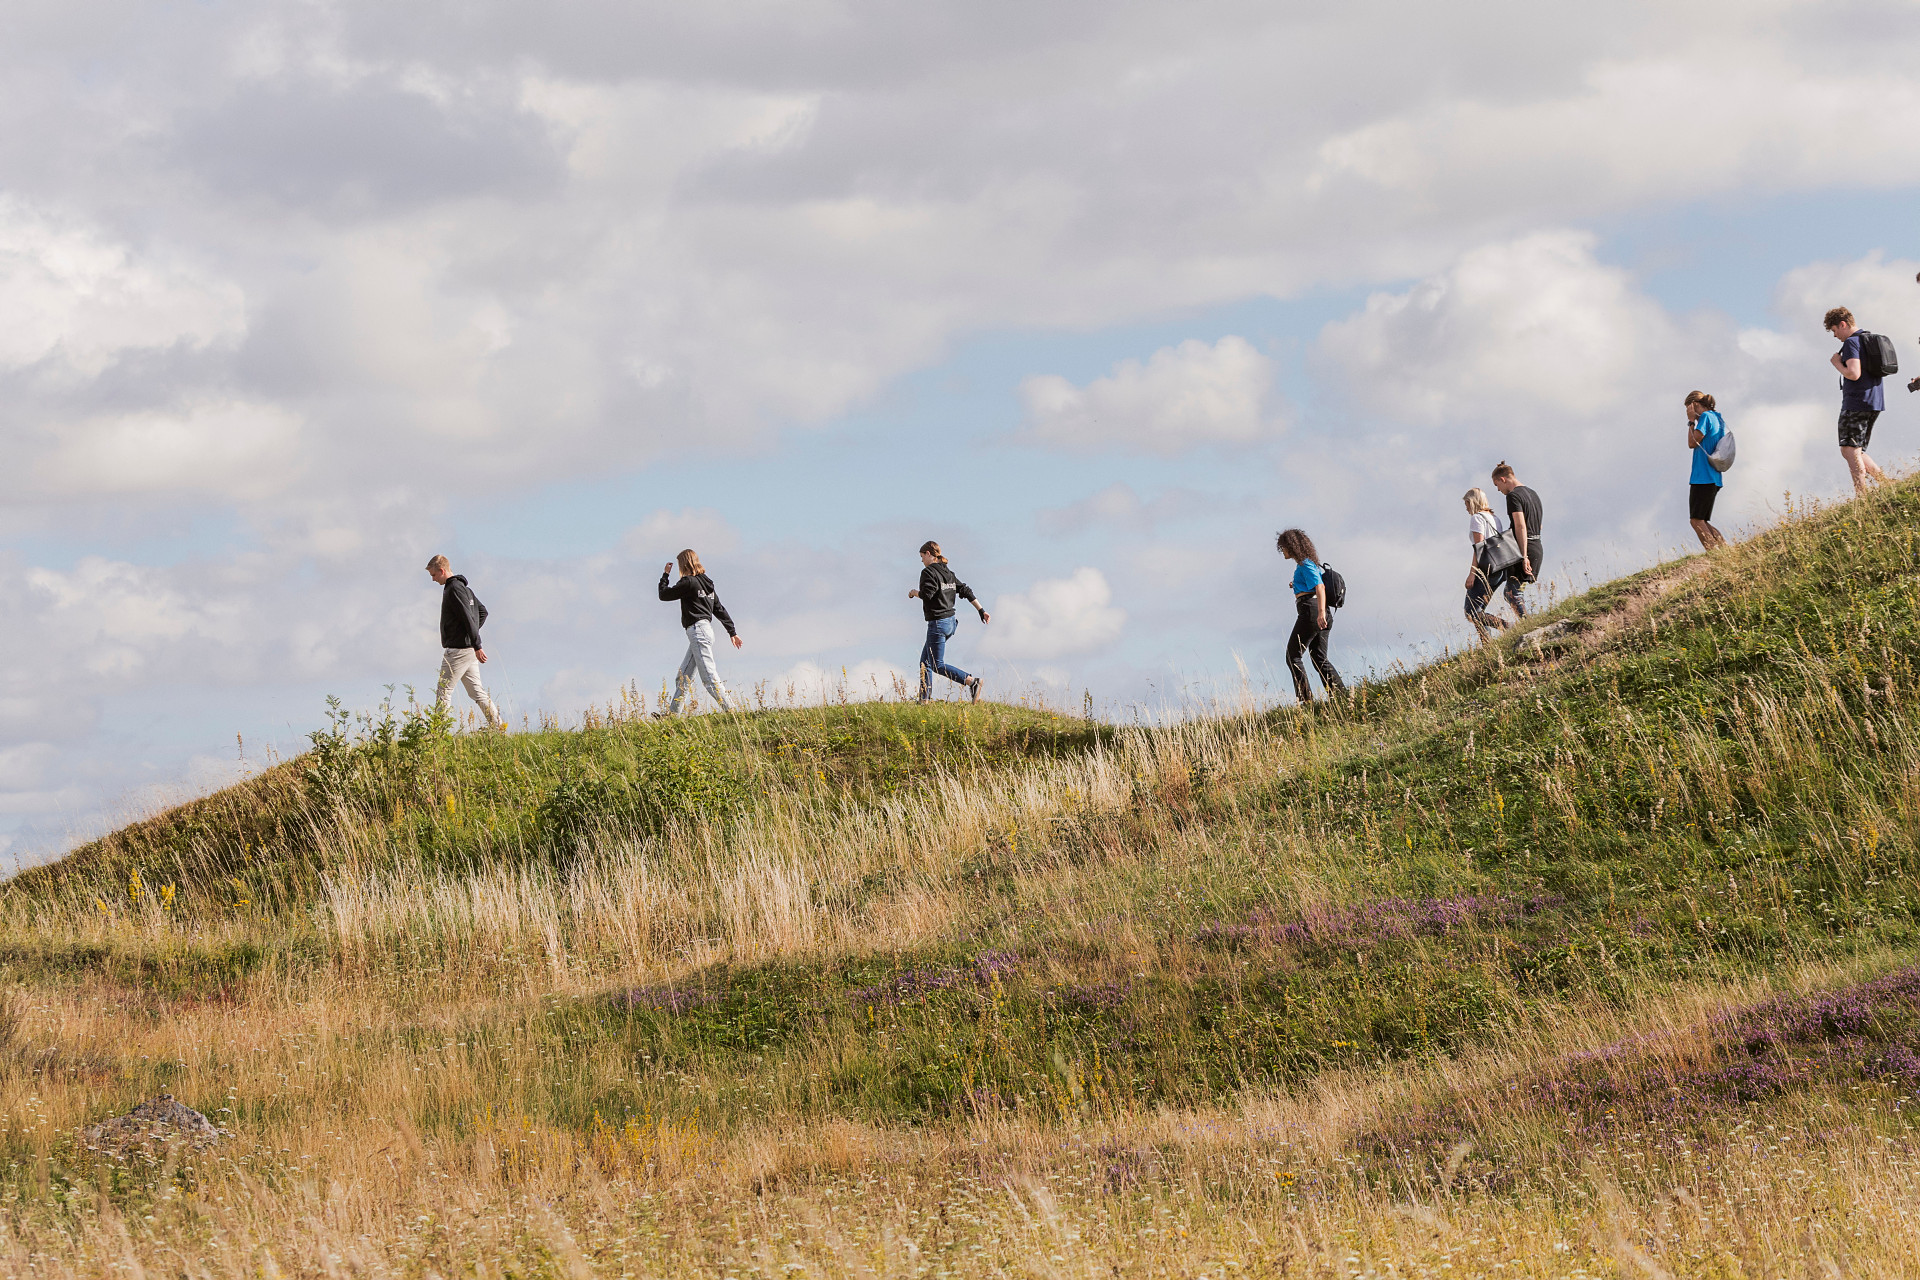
{"x": 1591, "y": 899}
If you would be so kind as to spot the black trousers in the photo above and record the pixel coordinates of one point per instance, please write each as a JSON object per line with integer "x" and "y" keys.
{"x": 1308, "y": 638}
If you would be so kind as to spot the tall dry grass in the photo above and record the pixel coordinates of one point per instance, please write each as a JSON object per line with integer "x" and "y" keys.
{"x": 366, "y": 1146}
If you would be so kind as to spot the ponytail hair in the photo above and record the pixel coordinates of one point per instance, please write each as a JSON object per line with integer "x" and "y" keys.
{"x": 932, "y": 548}
{"x": 1294, "y": 544}
{"x": 689, "y": 562}
{"x": 1700, "y": 398}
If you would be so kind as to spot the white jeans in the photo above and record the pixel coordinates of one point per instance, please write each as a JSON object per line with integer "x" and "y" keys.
{"x": 461, "y": 665}
{"x": 699, "y": 658}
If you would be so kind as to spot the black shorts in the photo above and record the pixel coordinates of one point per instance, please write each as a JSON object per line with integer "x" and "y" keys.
{"x": 1856, "y": 427}
{"x": 1700, "y": 501}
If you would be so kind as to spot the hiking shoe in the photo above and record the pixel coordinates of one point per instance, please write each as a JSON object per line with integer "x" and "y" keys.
{"x": 973, "y": 688}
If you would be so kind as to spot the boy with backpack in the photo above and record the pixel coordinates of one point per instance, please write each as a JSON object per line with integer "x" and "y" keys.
{"x": 1863, "y": 360}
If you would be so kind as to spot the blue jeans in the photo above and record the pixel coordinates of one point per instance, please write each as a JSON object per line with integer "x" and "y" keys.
{"x": 933, "y": 656}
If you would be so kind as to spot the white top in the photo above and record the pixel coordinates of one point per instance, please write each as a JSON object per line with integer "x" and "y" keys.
{"x": 1482, "y": 523}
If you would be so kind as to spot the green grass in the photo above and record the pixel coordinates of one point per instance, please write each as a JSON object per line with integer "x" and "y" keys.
{"x": 1728, "y": 787}
{"x": 457, "y": 802}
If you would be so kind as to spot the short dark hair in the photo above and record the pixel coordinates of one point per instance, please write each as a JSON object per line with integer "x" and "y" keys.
{"x": 1296, "y": 545}
{"x": 1503, "y": 471}
{"x": 1839, "y": 315}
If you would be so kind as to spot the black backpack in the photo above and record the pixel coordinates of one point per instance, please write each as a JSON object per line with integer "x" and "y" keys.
{"x": 1336, "y": 586}
{"x": 1878, "y": 356}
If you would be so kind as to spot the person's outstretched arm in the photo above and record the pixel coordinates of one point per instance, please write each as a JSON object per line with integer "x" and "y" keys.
{"x": 965, "y": 592}
{"x": 667, "y": 592}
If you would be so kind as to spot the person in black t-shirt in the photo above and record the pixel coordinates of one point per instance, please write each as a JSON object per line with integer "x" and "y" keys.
{"x": 1523, "y": 513}
{"x": 939, "y": 593}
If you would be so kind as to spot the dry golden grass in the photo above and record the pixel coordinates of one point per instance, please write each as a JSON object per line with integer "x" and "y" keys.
{"x": 344, "y": 1165}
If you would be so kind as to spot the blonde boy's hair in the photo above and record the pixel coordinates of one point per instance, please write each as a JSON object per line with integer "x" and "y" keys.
{"x": 438, "y": 562}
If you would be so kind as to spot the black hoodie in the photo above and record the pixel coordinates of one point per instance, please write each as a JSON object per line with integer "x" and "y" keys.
{"x": 939, "y": 589}
{"x": 461, "y": 615}
{"x": 698, "y": 600}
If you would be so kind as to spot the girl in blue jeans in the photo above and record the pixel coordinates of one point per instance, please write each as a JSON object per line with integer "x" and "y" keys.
{"x": 938, "y": 594}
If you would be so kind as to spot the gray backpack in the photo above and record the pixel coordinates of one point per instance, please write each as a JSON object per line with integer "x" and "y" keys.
{"x": 1720, "y": 457}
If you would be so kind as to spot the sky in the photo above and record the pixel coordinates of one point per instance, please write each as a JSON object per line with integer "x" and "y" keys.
{"x": 1098, "y": 295}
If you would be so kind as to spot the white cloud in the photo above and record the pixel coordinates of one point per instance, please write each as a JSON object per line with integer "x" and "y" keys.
{"x": 1528, "y": 327}
{"x": 1055, "y": 618}
{"x": 26, "y": 766}
{"x": 1771, "y": 113}
{"x": 807, "y": 684}
{"x": 68, "y": 289}
{"x": 664, "y": 533}
{"x": 1182, "y": 397}
{"x": 1880, "y": 293}
{"x": 228, "y": 448}
{"x": 1120, "y": 506}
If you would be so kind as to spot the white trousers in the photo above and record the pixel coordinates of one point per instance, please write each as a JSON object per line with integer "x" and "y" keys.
{"x": 461, "y": 665}
{"x": 699, "y": 659}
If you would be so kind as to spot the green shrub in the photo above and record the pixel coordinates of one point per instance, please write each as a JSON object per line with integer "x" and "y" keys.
{"x": 669, "y": 778}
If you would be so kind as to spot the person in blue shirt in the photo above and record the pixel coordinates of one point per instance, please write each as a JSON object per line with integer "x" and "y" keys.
{"x": 1311, "y": 623}
{"x": 1704, "y": 430}
{"x": 1862, "y": 400}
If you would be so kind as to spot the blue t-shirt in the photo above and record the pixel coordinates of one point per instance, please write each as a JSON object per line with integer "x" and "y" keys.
{"x": 1711, "y": 428}
{"x": 1863, "y": 392}
{"x": 1306, "y": 578}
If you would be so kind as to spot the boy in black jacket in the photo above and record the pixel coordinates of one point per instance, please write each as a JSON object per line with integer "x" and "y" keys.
{"x": 461, "y": 617}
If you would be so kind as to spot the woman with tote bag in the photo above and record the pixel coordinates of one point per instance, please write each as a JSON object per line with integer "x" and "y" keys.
{"x": 1493, "y": 550}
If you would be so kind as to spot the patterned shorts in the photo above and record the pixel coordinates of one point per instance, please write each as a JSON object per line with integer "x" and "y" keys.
{"x": 1856, "y": 427}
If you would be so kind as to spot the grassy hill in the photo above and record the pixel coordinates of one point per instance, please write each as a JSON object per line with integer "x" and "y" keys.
{"x": 1590, "y": 951}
